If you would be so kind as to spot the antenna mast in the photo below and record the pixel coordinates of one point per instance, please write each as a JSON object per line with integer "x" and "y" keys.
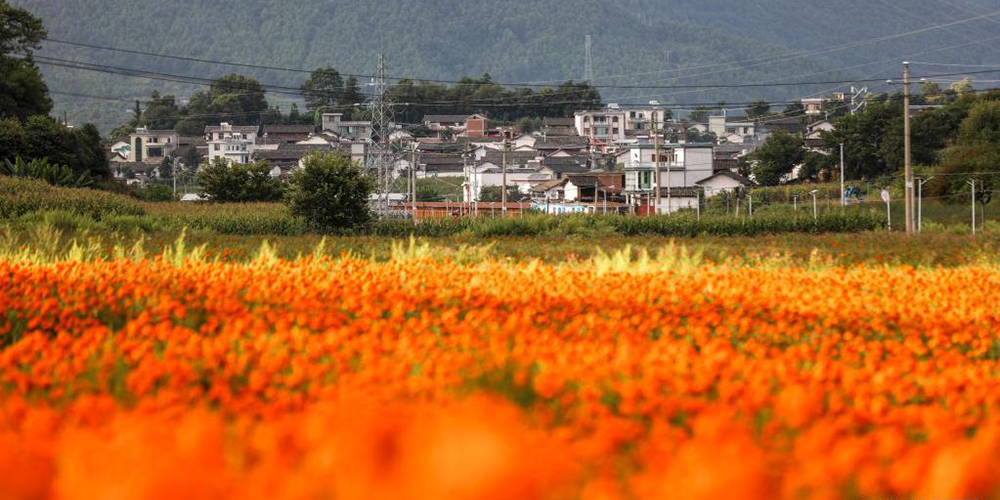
{"x": 588, "y": 65}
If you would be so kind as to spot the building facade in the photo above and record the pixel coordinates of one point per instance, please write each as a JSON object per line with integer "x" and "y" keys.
{"x": 151, "y": 146}
{"x": 233, "y": 143}
{"x": 681, "y": 166}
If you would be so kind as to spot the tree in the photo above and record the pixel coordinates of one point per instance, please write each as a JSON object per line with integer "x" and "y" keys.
{"x": 323, "y": 88}
{"x": 190, "y": 156}
{"x": 493, "y": 193}
{"x": 863, "y": 135}
{"x": 700, "y": 114}
{"x": 974, "y": 158}
{"x": 161, "y": 113}
{"x": 23, "y": 92}
{"x": 778, "y": 157}
{"x": 42, "y": 137}
{"x": 331, "y": 192}
{"x": 931, "y": 93}
{"x": 758, "y": 109}
{"x": 962, "y": 87}
{"x": 794, "y": 109}
{"x": 20, "y": 31}
{"x": 237, "y": 99}
{"x": 223, "y": 181}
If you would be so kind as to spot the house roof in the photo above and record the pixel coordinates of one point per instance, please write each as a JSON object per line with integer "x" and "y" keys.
{"x": 435, "y": 159}
{"x": 558, "y": 122}
{"x": 513, "y": 157}
{"x": 567, "y": 169}
{"x": 549, "y": 185}
{"x": 291, "y": 151}
{"x": 289, "y": 129}
{"x": 191, "y": 140}
{"x": 561, "y": 142}
{"x": 565, "y": 160}
{"x": 481, "y": 139}
{"x": 445, "y": 118}
{"x": 558, "y": 132}
{"x": 243, "y": 129}
{"x": 732, "y": 175}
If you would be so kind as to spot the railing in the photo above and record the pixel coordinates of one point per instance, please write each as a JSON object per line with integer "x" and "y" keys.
{"x": 649, "y": 165}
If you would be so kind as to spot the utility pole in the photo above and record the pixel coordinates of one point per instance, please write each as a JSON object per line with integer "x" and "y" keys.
{"x": 588, "y": 64}
{"x": 920, "y": 202}
{"x": 413, "y": 182}
{"x": 973, "y": 184}
{"x": 843, "y": 194}
{"x": 656, "y": 168}
{"x": 906, "y": 147}
{"x": 503, "y": 189}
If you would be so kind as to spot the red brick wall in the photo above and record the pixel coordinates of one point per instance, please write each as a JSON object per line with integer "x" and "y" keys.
{"x": 475, "y": 127}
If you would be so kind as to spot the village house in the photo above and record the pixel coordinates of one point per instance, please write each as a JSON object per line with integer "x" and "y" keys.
{"x": 233, "y": 143}
{"x": 681, "y": 166}
{"x": 734, "y": 129}
{"x": 286, "y": 134}
{"x": 288, "y": 157}
{"x": 722, "y": 182}
{"x": 151, "y": 146}
{"x": 593, "y": 187}
{"x": 335, "y": 123}
{"x": 558, "y": 127}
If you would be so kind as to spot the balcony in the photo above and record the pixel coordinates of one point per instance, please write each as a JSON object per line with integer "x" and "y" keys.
{"x": 649, "y": 165}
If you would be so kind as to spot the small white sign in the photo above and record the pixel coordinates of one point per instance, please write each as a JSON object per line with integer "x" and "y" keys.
{"x": 885, "y": 195}
{"x": 909, "y": 185}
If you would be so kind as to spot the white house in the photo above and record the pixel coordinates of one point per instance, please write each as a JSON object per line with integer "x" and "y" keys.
{"x": 151, "y": 146}
{"x": 722, "y": 182}
{"x": 681, "y": 166}
{"x": 723, "y": 126}
{"x": 232, "y": 142}
{"x": 487, "y": 174}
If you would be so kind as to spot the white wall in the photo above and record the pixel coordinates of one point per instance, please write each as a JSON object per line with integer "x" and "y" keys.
{"x": 719, "y": 185}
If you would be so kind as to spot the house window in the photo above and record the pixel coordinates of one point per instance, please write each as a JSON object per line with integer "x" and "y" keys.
{"x": 645, "y": 180}
{"x": 218, "y": 147}
{"x": 155, "y": 152}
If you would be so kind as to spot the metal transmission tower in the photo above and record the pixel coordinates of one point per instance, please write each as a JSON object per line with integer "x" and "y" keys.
{"x": 380, "y": 154}
{"x": 588, "y": 64}
{"x": 858, "y": 100}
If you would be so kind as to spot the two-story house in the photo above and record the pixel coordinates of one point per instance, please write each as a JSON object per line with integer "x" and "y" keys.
{"x": 681, "y": 167}
{"x": 357, "y": 129}
{"x": 232, "y": 142}
{"x": 603, "y": 128}
{"x": 151, "y": 146}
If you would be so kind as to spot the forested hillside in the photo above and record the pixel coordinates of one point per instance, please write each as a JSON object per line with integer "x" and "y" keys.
{"x": 645, "y": 42}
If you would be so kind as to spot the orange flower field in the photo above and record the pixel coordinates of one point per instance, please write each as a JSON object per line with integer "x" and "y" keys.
{"x": 429, "y": 379}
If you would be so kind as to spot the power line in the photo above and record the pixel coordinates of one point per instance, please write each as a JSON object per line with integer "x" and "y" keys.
{"x": 528, "y": 84}
{"x": 471, "y": 103}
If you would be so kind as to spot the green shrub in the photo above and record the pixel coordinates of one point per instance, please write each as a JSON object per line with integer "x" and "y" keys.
{"x": 226, "y": 182}
{"x": 22, "y": 196}
{"x": 157, "y": 193}
{"x": 332, "y": 193}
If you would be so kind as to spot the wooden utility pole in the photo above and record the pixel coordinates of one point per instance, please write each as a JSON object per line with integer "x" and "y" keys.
{"x": 503, "y": 168}
{"x": 843, "y": 197}
{"x": 908, "y": 186}
{"x": 656, "y": 158}
{"x": 413, "y": 182}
